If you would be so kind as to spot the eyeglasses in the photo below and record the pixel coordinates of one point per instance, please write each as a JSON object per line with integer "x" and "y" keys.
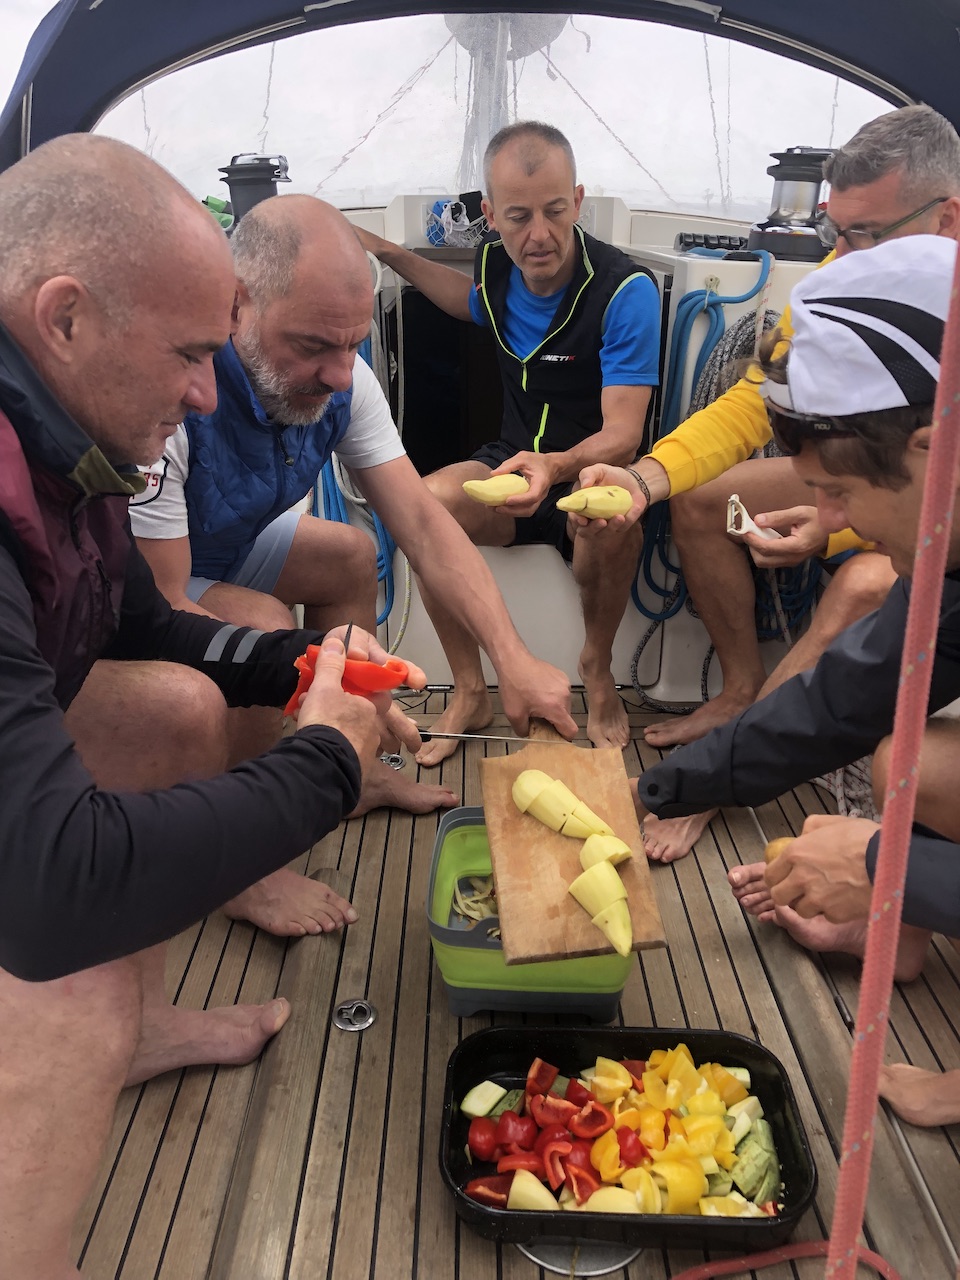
{"x": 859, "y": 238}
{"x": 791, "y": 430}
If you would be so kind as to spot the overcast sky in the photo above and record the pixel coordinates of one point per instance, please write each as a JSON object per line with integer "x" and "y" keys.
{"x": 664, "y": 117}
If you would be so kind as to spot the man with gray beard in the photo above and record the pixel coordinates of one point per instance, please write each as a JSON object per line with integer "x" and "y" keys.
{"x": 216, "y": 520}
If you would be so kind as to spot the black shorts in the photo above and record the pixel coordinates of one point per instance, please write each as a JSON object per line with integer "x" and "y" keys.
{"x": 547, "y": 526}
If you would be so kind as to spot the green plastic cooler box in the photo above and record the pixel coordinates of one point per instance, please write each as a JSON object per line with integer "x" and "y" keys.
{"x": 471, "y": 962}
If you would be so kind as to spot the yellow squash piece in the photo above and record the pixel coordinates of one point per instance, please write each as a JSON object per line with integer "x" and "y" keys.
{"x": 641, "y": 1183}
{"x": 528, "y": 786}
{"x": 596, "y": 826}
{"x": 610, "y": 1200}
{"x": 600, "y": 848}
{"x": 494, "y": 491}
{"x": 615, "y": 923}
{"x": 528, "y": 1192}
{"x": 597, "y": 503}
{"x": 553, "y": 805}
{"x": 597, "y": 888}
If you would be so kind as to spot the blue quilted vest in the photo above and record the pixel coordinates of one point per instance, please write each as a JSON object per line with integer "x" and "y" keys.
{"x": 246, "y": 470}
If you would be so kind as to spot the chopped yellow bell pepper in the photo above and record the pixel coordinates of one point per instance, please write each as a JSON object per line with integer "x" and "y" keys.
{"x": 614, "y": 1071}
{"x": 707, "y": 1103}
{"x": 702, "y": 1133}
{"x": 685, "y": 1074}
{"x": 640, "y": 1181}
{"x": 606, "y": 1089}
{"x": 660, "y": 1094}
{"x": 625, "y": 1115}
{"x": 685, "y": 1182}
{"x": 652, "y": 1128}
{"x": 724, "y": 1151}
{"x": 729, "y": 1087}
{"x": 605, "y": 1157}
{"x": 655, "y": 1059}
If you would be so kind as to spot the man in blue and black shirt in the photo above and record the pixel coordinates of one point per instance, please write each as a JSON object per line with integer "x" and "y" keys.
{"x": 577, "y": 333}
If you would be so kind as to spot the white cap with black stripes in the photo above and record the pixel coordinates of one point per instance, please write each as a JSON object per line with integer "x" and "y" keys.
{"x": 868, "y": 330}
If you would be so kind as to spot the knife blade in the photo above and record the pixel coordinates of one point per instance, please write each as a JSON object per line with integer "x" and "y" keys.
{"x": 427, "y": 734}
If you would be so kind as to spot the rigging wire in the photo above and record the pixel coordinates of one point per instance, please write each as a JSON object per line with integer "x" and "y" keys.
{"x": 833, "y": 108}
{"x": 558, "y": 74}
{"x": 713, "y": 122}
{"x": 410, "y": 83}
{"x": 266, "y": 102}
{"x": 149, "y": 141}
{"x": 729, "y": 137}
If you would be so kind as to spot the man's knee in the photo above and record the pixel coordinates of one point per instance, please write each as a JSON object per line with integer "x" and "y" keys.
{"x": 699, "y": 509}
{"x": 864, "y": 581}
{"x": 140, "y": 725}
{"x": 95, "y": 1014}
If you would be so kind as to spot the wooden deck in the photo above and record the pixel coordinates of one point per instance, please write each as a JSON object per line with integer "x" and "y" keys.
{"x": 321, "y": 1159}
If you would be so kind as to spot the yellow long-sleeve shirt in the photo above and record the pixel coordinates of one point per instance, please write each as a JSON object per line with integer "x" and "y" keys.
{"x": 726, "y": 432}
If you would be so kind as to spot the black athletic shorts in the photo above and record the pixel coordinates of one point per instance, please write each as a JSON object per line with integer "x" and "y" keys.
{"x": 547, "y": 525}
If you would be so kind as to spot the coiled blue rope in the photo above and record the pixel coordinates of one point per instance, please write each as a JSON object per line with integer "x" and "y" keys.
{"x": 657, "y": 527}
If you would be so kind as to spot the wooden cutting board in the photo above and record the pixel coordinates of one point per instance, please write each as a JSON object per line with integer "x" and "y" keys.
{"x": 533, "y": 866}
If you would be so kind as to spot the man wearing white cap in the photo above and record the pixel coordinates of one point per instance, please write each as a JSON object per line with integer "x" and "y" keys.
{"x": 851, "y": 402}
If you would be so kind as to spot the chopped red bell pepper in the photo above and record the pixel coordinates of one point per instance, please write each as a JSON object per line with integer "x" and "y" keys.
{"x": 553, "y": 1154}
{"x": 591, "y": 1120}
{"x": 576, "y": 1093}
{"x": 519, "y": 1130}
{"x": 580, "y": 1154}
{"x": 582, "y": 1182}
{"x": 632, "y": 1150}
{"x": 550, "y": 1134}
{"x": 540, "y": 1077}
{"x": 528, "y": 1160}
{"x": 492, "y": 1190}
{"x": 482, "y": 1138}
{"x": 636, "y": 1067}
{"x": 550, "y": 1109}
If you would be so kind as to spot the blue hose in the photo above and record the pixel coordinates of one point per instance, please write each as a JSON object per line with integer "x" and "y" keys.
{"x": 690, "y": 306}
{"x": 334, "y": 508}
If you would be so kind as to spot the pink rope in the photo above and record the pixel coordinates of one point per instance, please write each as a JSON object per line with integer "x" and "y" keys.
{"x": 756, "y": 1261}
{"x": 886, "y": 903}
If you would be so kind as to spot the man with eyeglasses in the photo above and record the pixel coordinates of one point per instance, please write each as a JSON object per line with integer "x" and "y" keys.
{"x": 898, "y": 176}
{"x": 851, "y": 402}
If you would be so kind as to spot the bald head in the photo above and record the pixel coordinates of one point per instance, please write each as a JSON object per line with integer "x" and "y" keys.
{"x": 296, "y": 240}
{"x": 95, "y": 209}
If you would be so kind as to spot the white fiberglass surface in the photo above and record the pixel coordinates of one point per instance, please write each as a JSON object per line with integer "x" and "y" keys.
{"x": 667, "y": 119}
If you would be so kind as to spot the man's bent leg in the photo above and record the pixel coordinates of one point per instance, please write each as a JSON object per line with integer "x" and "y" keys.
{"x": 171, "y": 1038}
{"x": 470, "y": 709}
{"x": 720, "y": 581}
{"x": 604, "y": 568}
{"x": 859, "y": 586}
{"x": 65, "y": 1052}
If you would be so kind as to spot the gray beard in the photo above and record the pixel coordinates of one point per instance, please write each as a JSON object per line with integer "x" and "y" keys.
{"x": 274, "y": 391}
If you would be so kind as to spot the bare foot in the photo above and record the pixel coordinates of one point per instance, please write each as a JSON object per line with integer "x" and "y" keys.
{"x": 607, "y": 724}
{"x": 468, "y": 712}
{"x": 923, "y": 1098}
{"x": 683, "y": 729}
{"x": 171, "y": 1038}
{"x": 750, "y": 890}
{"x": 386, "y": 788}
{"x": 290, "y": 905}
{"x": 818, "y": 933}
{"x": 667, "y": 839}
